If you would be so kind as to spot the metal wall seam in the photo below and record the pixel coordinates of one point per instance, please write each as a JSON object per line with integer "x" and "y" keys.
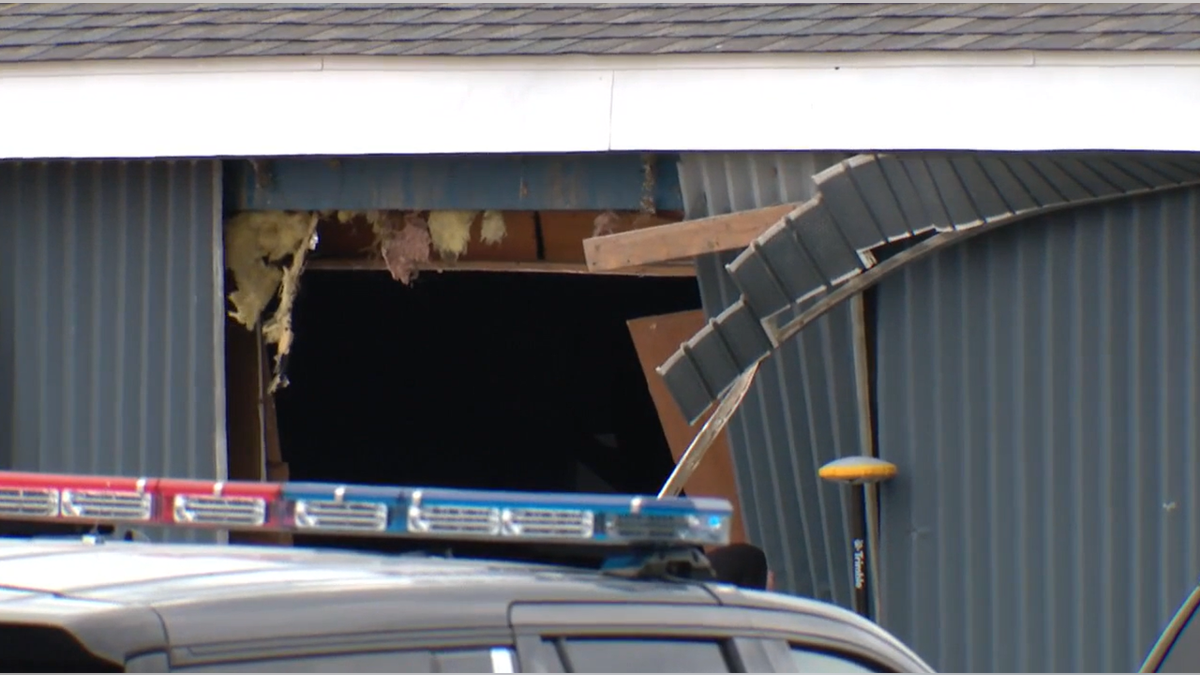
{"x": 110, "y": 308}
{"x": 1039, "y": 390}
{"x": 220, "y": 445}
{"x": 789, "y": 424}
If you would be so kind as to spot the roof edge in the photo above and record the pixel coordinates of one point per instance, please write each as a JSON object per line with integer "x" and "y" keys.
{"x": 683, "y": 61}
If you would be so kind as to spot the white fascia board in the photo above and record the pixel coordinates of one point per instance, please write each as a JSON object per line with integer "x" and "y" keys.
{"x": 265, "y": 113}
{"x": 374, "y": 105}
{"x": 921, "y": 108}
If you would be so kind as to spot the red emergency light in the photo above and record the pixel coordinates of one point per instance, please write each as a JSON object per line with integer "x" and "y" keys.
{"x": 77, "y": 498}
{"x": 150, "y": 501}
{"x": 232, "y": 505}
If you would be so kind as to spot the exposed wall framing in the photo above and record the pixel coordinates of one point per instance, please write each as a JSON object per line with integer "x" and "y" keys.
{"x": 267, "y": 251}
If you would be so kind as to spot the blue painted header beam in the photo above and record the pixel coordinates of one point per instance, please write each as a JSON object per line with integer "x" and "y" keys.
{"x": 596, "y": 181}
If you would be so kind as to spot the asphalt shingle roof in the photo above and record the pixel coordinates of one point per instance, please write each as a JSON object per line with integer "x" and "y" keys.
{"x": 50, "y": 32}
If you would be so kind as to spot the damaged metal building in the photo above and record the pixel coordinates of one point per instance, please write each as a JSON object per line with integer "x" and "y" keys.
{"x": 197, "y": 280}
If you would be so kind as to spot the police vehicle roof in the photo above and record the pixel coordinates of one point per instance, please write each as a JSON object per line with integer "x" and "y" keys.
{"x": 156, "y": 574}
{"x": 207, "y": 594}
{"x": 154, "y": 606}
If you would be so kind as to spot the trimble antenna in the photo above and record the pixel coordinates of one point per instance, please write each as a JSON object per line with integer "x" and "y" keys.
{"x": 867, "y": 473}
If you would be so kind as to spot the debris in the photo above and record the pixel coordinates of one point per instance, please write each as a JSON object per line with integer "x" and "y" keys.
{"x": 492, "y": 230}
{"x": 606, "y": 223}
{"x": 644, "y": 219}
{"x": 404, "y": 244}
{"x": 256, "y": 242}
{"x": 648, "y": 182}
{"x": 451, "y": 232}
{"x": 278, "y": 330}
{"x": 611, "y": 222}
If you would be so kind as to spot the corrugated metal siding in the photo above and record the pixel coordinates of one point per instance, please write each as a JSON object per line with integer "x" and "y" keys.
{"x": 1039, "y": 389}
{"x": 111, "y": 318}
{"x": 794, "y": 418}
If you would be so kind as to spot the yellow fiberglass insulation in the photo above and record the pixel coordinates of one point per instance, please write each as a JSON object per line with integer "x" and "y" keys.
{"x": 492, "y": 231}
{"x": 253, "y": 241}
{"x": 451, "y": 232}
{"x": 278, "y": 330}
{"x": 256, "y": 243}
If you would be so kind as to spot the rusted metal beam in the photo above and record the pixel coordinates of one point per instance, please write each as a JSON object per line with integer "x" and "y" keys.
{"x": 686, "y": 239}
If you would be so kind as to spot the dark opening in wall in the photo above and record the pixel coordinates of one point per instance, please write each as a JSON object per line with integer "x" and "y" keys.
{"x": 520, "y": 381}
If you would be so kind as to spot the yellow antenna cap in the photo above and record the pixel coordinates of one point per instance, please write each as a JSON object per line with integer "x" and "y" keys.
{"x": 858, "y": 470}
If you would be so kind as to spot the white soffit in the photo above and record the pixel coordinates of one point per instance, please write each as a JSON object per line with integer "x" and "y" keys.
{"x": 365, "y": 105}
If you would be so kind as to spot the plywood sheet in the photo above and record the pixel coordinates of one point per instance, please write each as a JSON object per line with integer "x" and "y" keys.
{"x": 655, "y": 338}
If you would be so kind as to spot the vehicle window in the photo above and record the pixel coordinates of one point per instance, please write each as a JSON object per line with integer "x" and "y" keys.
{"x": 643, "y": 655}
{"x": 504, "y": 660}
{"x": 1184, "y": 656}
{"x": 416, "y": 661}
{"x": 495, "y": 660}
{"x": 474, "y": 661}
{"x": 809, "y": 660}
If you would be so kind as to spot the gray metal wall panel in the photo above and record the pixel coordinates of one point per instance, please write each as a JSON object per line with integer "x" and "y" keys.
{"x": 111, "y": 359}
{"x": 1039, "y": 389}
{"x": 789, "y": 424}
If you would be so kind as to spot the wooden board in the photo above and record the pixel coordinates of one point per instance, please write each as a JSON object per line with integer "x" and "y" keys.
{"x": 242, "y": 391}
{"x": 677, "y": 241}
{"x": 655, "y": 338}
{"x": 253, "y": 438}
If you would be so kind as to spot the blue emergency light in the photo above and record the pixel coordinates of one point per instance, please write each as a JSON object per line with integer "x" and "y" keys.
{"x": 330, "y": 508}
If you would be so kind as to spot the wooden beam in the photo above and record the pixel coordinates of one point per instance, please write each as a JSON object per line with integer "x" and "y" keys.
{"x": 686, "y": 239}
{"x": 375, "y": 264}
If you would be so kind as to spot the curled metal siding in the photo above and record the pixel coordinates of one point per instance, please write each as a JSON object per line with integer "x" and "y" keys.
{"x": 111, "y": 317}
{"x": 825, "y": 248}
{"x": 789, "y": 424}
{"x": 1039, "y": 389}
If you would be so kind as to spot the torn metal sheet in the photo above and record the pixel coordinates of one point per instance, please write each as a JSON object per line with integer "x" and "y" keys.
{"x": 950, "y": 193}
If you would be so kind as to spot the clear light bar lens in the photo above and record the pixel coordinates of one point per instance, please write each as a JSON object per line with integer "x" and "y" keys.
{"x": 453, "y": 520}
{"x": 340, "y": 516}
{"x": 645, "y": 527}
{"x": 226, "y": 511}
{"x": 711, "y": 529}
{"x": 28, "y": 503}
{"x": 533, "y": 523}
{"x": 107, "y": 505}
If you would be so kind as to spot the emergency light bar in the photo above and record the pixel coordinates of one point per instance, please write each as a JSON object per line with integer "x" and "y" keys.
{"x": 328, "y": 508}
